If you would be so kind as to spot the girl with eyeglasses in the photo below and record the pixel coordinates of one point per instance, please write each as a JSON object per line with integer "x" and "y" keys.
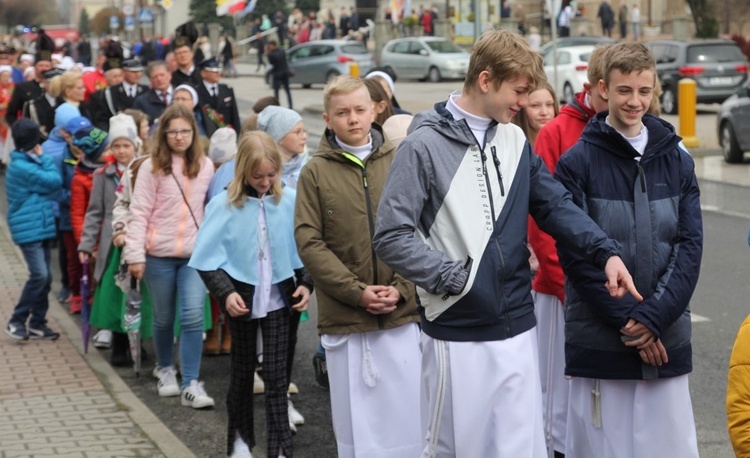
{"x": 166, "y": 211}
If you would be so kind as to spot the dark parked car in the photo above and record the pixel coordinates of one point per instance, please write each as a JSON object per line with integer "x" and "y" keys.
{"x": 732, "y": 123}
{"x": 717, "y": 66}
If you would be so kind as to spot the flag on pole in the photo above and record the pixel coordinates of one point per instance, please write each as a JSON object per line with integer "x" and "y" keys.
{"x": 248, "y": 9}
{"x": 224, "y": 7}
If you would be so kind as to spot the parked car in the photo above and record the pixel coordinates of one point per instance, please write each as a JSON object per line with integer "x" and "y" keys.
{"x": 318, "y": 62}
{"x": 732, "y": 124}
{"x": 567, "y": 42}
{"x": 572, "y": 67}
{"x": 717, "y": 66}
{"x": 430, "y": 58}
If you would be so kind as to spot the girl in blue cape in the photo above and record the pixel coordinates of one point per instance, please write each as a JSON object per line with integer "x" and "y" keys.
{"x": 246, "y": 254}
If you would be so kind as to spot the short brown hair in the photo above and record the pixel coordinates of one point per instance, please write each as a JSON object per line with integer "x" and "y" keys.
{"x": 342, "y": 84}
{"x": 628, "y": 57}
{"x": 505, "y": 55}
{"x": 597, "y": 58}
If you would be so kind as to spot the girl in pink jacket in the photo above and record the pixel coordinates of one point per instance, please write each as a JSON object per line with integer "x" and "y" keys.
{"x": 166, "y": 211}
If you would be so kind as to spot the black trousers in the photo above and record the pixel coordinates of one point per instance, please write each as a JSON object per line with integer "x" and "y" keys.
{"x": 274, "y": 329}
{"x": 278, "y": 83}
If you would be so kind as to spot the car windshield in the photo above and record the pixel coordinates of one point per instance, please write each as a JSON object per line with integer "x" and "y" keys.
{"x": 353, "y": 49}
{"x": 714, "y": 53}
{"x": 443, "y": 47}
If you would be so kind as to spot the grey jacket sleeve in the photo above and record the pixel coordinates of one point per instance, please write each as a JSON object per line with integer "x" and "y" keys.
{"x": 396, "y": 241}
{"x": 94, "y": 216}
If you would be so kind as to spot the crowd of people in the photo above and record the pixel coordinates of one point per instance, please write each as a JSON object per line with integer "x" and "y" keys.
{"x": 414, "y": 233}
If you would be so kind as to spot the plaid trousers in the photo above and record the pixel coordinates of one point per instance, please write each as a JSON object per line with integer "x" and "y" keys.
{"x": 275, "y": 332}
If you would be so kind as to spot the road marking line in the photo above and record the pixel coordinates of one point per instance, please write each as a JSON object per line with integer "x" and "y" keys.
{"x": 695, "y": 318}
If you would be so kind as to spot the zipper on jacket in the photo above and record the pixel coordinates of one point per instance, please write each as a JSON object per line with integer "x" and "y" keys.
{"x": 497, "y": 168}
{"x": 641, "y": 176}
{"x": 368, "y": 202}
{"x": 487, "y": 181}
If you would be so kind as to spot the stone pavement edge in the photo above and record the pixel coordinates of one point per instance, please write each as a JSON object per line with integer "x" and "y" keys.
{"x": 57, "y": 402}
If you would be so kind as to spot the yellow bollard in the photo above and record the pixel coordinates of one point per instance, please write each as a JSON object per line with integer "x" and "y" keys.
{"x": 686, "y": 110}
{"x": 354, "y": 69}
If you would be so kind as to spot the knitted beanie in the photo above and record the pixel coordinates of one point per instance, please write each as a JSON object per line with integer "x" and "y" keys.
{"x": 223, "y": 145}
{"x": 277, "y": 121}
{"x": 123, "y": 126}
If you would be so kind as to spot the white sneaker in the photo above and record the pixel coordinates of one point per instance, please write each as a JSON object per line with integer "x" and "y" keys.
{"x": 195, "y": 396}
{"x": 167, "y": 384}
{"x": 295, "y": 417}
{"x": 241, "y": 449}
{"x": 293, "y": 388}
{"x": 259, "y": 387}
{"x": 103, "y": 339}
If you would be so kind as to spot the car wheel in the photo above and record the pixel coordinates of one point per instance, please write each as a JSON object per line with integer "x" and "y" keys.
{"x": 331, "y": 75}
{"x": 433, "y": 76}
{"x": 568, "y": 93}
{"x": 729, "y": 146}
{"x": 307, "y": 86}
{"x": 669, "y": 101}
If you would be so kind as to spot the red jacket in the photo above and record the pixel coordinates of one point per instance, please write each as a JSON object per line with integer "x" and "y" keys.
{"x": 93, "y": 81}
{"x": 80, "y": 194}
{"x": 552, "y": 141}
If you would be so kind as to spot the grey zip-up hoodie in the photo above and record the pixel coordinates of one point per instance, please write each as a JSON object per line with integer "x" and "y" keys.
{"x": 452, "y": 219}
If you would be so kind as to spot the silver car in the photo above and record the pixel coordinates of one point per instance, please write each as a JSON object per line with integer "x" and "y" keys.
{"x": 317, "y": 62}
{"x": 430, "y": 58}
{"x": 732, "y": 124}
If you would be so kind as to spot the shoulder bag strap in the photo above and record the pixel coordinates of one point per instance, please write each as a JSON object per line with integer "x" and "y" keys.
{"x": 186, "y": 201}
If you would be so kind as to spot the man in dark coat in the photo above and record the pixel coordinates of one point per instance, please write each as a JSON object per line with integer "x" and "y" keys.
{"x": 186, "y": 72}
{"x": 117, "y": 98}
{"x": 154, "y": 101}
{"x": 30, "y": 90}
{"x": 607, "y": 16}
{"x": 280, "y": 70}
{"x": 216, "y": 101}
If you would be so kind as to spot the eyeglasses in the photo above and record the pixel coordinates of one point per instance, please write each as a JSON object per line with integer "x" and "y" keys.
{"x": 179, "y": 133}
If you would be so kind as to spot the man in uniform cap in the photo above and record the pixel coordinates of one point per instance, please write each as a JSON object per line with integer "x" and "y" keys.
{"x": 30, "y": 90}
{"x": 216, "y": 100}
{"x": 41, "y": 109}
{"x": 118, "y": 97}
{"x": 109, "y": 62}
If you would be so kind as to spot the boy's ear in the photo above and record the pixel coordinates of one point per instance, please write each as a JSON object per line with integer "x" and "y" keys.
{"x": 325, "y": 118}
{"x": 603, "y": 90}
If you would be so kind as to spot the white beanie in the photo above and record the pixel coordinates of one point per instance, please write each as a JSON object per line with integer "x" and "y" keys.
{"x": 223, "y": 145}
{"x": 191, "y": 90}
{"x": 385, "y": 76}
{"x": 277, "y": 121}
{"x": 123, "y": 126}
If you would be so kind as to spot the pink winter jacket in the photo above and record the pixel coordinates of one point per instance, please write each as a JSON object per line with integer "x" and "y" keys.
{"x": 160, "y": 222}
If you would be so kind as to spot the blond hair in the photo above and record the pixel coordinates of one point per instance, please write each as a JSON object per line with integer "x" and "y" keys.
{"x": 505, "y": 55}
{"x": 252, "y": 149}
{"x": 162, "y": 157}
{"x": 596, "y": 62}
{"x": 342, "y": 84}
{"x": 61, "y": 83}
{"x": 628, "y": 57}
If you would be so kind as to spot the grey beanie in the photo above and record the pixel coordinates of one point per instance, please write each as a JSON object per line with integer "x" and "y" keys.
{"x": 277, "y": 121}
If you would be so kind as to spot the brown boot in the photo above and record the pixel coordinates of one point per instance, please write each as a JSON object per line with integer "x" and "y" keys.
{"x": 226, "y": 337}
{"x": 211, "y": 345}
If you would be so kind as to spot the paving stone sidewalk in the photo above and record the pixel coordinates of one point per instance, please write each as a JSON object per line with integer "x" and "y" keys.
{"x": 57, "y": 402}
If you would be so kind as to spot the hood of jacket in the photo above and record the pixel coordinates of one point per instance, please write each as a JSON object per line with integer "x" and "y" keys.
{"x": 329, "y": 148}
{"x": 442, "y": 121}
{"x": 577, "y": 108}
{"x": 661, "y": 137}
